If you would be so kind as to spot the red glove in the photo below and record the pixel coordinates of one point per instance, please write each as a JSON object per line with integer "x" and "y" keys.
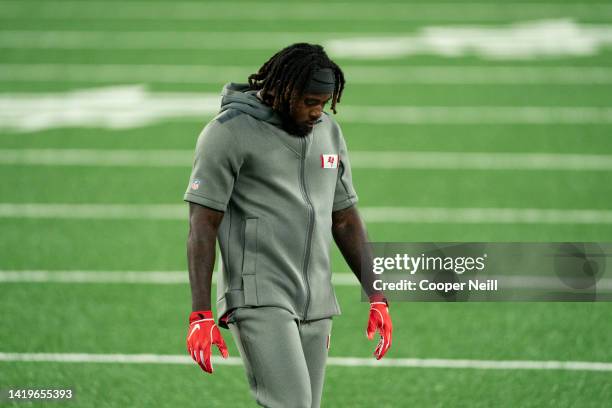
{"x": 203, "y": 332}
{"x": 380, "y": 320}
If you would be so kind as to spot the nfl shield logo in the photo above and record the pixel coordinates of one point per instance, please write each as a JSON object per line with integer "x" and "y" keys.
{"x": 329, "y": 161}
{"x": 195, "y": 184}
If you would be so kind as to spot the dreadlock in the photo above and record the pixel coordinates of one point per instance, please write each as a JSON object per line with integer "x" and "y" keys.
{"x": 285, "y": 75}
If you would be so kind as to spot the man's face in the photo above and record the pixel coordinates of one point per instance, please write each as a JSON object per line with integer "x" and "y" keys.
{"x": 306, "y": 112}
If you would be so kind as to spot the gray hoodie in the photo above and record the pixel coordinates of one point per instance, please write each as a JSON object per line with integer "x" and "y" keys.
{"x": 278, "y": 192}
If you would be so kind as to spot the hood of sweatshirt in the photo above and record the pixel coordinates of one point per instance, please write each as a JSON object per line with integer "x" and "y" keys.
{"x": 238, "y": 96}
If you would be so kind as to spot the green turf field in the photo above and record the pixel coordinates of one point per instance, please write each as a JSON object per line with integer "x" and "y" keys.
{"x": 53, "y": 47}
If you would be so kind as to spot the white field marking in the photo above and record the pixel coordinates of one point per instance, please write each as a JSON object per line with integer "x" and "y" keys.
{"x": 97, "y": 157}
{"x": 472, "y": 364}
{"x": 123, "y": 107}
{"x": 180, "y": 278}
{"x": 359, "y": 159}
{"x": 528, "y": 282}
{"x": 465, "y": 115}
{"x": 524, "y": 40}
{"x": 412, "y": 215}
{"x": 159, "y": 40}
{"x": 381, "y": 75}
{"x": 114, "y": 107}
{"x": 485, "y": 215}
{"x": 331, "y": 361}
{"x": 317, "y": 10}
{"x": 107, "y": 277}
{"x": 479, "y": 161}
{"x": 95, "y": 211}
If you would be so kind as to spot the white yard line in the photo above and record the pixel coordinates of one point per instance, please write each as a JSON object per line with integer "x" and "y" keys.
{"x": 480, "y": 161}
{"x": 390, "y": 75}
{"x": 331, "y": 361}
{"x": 178, "y": 40}
{"x": 180, "y": 278}
{"x": 107, "y": 277}
{"x": 474, "y": 364}
{"x": 133, "y": 106}
{"x": 485, "y": 215}
{"x": 359, "y": 159}
{"x": 95, "y": 211}
{"x": 522, "y": 40}
{"x": 444, "y": 40}
{"x": 96, "y": 157}
{"x": 159, "y": 40}
{"x": 317, "y": 10}
{"x": 412, "y": 215}
{"x": 530, "y": 115}
{"x": 514, "y": 282}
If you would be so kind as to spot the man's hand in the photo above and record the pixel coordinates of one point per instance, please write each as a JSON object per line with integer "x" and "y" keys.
{"x": 380, "y": 320}
{"x": 202, "y": 334}
{"x": 350, "y": 236}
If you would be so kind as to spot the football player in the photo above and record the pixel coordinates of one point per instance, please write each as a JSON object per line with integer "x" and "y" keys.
{"x": 271, "y": 182}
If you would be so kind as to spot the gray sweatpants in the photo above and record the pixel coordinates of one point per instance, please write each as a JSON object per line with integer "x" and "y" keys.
{"x": 284, "y": 358}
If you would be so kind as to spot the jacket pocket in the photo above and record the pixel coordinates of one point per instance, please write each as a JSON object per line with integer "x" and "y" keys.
{"x": 249, "y": 262}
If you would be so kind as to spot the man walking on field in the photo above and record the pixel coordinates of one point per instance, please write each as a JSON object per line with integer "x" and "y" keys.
{"x": 271, "y": 181}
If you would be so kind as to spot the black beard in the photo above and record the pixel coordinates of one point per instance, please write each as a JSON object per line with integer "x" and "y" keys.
{"x": 293, "y": 128}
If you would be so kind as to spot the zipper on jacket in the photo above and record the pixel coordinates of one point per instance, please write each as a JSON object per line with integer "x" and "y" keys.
{"x": 310, "y": 226}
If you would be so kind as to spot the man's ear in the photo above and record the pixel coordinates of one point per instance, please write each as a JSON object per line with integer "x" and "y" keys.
{"x": 268, "y": 98}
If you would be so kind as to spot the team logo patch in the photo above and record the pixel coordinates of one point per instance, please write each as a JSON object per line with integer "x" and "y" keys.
{"x": 195, "y": 184}
{"x": 329, "y": 161}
